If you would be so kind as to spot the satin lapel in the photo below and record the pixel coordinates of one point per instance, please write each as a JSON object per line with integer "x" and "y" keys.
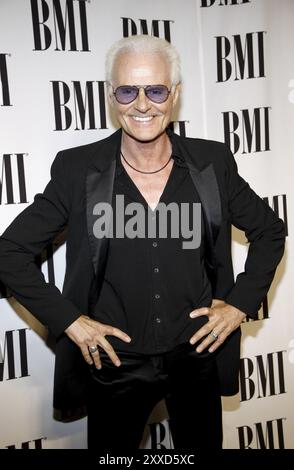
{"x": 207, "y": 188}
{"x": 99, "y": 188}
{"x": 205, "y": 182}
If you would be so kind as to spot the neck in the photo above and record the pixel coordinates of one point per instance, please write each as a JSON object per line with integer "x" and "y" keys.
{"x": 146, "y": 155}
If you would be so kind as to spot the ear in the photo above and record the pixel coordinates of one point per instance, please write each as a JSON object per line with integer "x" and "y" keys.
{"x": 176, "y": 93}
{"x": 110, "y": 95}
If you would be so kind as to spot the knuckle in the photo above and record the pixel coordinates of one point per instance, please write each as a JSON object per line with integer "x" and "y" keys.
{"x": 96, "y": 340}
{"x": 88, "y": 340}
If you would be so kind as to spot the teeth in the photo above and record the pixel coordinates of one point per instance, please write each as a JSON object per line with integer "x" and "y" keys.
{"x": 142, "y": 119}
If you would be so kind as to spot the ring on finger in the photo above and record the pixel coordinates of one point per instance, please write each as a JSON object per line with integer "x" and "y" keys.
{"x": 93, "y": 349}
{"x": 214, "y": 335}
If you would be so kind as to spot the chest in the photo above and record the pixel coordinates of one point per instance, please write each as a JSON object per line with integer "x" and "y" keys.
{"x": 151, "y": 186}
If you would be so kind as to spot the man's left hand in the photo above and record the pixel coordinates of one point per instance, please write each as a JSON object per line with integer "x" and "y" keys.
{"x": 223, "y": 319}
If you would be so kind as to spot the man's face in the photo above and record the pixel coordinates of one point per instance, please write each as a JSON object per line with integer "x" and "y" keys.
{"x": 143, "y": 119}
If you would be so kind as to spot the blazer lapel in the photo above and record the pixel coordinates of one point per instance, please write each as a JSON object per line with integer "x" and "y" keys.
{"x": 206, "y": 185}
{"x": 99, "y": 188}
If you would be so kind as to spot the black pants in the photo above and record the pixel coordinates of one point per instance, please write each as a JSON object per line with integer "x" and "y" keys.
{"x": 121, "y": 399}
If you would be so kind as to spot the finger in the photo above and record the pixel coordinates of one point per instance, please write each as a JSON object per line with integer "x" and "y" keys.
{"x": 96, "y": 358}
{"x": 86, "y": 354}
{"x": 217, "y": 343}
{"x": 203, "y": 332}
{"x": 212, "y": 342}
{"x": 200, "y": 311}
{"x": 109, "y": 351}
{"x": 111, "y": 330}
{"x": 205, "y": 343}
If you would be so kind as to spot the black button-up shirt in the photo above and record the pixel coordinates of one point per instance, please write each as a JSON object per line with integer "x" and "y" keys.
{"x": 152, "y": 284}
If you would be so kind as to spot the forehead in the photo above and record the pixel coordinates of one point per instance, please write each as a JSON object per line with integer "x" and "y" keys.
{"x": 134, "y": 68}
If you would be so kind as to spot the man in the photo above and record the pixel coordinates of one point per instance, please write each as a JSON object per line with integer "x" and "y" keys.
{"x": 143, "y": 318}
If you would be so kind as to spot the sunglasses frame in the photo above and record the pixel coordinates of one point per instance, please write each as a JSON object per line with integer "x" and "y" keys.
{"x": 138, "y": 87}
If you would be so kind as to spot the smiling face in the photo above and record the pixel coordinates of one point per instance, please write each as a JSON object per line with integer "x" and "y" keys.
{"x": 143, "y": 119}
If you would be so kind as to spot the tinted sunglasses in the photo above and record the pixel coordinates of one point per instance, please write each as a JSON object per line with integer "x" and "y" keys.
{"x": 125, "y": 94}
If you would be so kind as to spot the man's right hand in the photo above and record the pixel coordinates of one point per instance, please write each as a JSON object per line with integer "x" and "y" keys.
{"x": 86, "y": 332}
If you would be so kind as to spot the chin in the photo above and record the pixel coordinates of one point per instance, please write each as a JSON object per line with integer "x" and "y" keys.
{"x": 144, "y": 136}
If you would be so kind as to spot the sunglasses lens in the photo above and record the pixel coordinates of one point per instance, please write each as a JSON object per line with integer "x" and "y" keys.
{"x": 126, "y": 94}
{"x": 157, "y": 93}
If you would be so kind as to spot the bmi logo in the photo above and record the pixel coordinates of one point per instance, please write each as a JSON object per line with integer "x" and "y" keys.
{"x": 262, "y": 376}
{"x": 60, "y": 24}
{"x": 240, "y": 57}
{"x": 4, "y": 84}
{"x": 263, "y": 435}
{"x": 158, "y": 28}
{"x": 79, "y": 106}
{"x": 247, "y": 130}
{"x": 14, "y": 355}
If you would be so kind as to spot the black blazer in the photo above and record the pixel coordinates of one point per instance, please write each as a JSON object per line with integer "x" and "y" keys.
{"x": 83, "y": 176}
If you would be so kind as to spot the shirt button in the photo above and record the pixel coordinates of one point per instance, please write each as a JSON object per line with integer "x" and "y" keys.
{"x": 156, "y": 270}
{"x": 157, "y": 296}
{"x": 158, "y": 320}
{"x": 154, "y": 244}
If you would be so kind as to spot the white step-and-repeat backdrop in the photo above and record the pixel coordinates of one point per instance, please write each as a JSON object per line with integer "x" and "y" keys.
{"x": 238, "y": 87}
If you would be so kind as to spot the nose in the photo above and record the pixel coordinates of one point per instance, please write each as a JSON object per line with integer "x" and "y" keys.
{"x": 142, "y": 103}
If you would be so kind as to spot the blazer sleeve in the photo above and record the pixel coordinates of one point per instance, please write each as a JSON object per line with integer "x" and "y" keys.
{"x": 266, "y": 234}
{"x": 26, "y": 237}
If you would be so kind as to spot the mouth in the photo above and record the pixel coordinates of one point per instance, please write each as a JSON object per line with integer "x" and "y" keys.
{"x": 142, "y": 118}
